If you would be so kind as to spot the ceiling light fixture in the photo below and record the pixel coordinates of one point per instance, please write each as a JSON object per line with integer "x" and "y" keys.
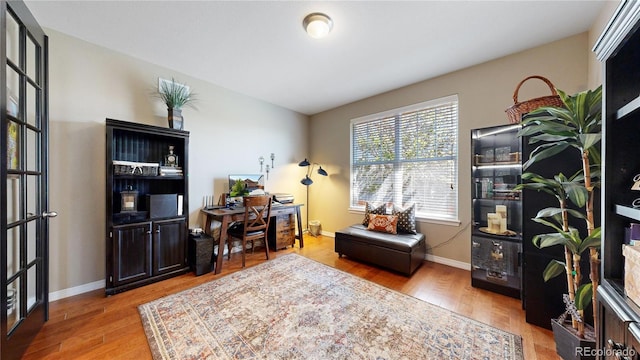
{"x": 317, "y": 25}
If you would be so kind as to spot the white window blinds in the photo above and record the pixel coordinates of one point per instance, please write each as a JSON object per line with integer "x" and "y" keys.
{"x": 407, "y": 156}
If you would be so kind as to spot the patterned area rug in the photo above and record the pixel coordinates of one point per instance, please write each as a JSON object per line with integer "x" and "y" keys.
{"x": 296, "y": 308}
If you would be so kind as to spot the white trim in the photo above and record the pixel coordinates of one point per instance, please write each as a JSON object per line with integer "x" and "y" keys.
{"x": 449, "y": 262}
{"x": 76, "y": 290}
{"x": 623, "y": 20}
{"x": 405, "y": 109}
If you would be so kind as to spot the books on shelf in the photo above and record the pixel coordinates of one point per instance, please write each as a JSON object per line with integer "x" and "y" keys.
{"x": 170, "y": 171}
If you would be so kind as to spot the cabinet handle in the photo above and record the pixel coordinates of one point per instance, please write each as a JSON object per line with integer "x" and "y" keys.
{"x": 148, "y": 231}
{"x": 158, "y": 231}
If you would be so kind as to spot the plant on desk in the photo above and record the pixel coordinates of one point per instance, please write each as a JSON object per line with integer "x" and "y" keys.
{"x": 238, "y": 189}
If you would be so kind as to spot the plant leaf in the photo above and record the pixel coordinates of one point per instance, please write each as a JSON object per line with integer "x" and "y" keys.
{"x": 592, "y": 241}
{"x": 583, "y": 296}
{"x": 553, "y": 269}
{"x": 577, "y": 193}
{"x": 589, "y": 140}
{"x": 545, "y": 151}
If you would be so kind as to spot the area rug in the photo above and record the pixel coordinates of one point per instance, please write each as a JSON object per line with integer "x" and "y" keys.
{"x": 292, "y": 307}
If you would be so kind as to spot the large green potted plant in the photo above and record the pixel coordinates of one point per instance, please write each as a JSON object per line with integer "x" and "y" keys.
{"x": 175, "y": 96}
{"x": 576, "y": 126}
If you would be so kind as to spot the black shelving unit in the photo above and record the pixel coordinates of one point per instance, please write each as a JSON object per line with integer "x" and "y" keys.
{"x": 619, "y": 50}
{"x": 496, "y": 248}
{"x": 146, "y": 233}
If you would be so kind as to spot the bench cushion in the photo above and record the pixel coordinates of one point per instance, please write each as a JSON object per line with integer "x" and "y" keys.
{"x": 400, "y": 242}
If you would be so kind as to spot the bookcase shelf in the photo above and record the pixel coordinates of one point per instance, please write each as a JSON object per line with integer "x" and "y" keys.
{"x": 627, "y": 211}
{"x": 628, "y": 109}
{"x": 147, "y": 243}
{"x": 618, "y": 48}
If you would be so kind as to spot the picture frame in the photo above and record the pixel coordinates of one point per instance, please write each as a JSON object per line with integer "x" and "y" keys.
{"x": 488, "y": 155}
{"x": 503, "y": 154}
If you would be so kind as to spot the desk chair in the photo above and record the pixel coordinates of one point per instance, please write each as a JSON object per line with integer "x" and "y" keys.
{"x": 257, "y": 214}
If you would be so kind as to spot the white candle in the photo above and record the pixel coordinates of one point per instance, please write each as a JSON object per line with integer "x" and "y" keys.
{"x": 503, "y": 225}
{"x": 493, "y": 222}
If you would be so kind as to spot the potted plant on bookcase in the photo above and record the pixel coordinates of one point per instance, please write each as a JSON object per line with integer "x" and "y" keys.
{"x": 175, "y": 96}
{"x": 576, "y": 126}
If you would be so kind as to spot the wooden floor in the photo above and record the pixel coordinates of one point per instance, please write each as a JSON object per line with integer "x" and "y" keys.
{"x": 92, "y": 326}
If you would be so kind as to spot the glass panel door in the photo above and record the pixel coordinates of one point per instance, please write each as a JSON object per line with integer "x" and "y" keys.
{"x": 23, "y": 135}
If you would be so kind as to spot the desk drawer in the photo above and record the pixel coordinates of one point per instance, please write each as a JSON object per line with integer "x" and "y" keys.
{"x": 280, "y": 239}
{"x": 285, "y": 222}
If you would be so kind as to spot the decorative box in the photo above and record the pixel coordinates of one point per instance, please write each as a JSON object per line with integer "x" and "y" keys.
{"x": 135, "y": 168}
{"x": 632, "y": 272}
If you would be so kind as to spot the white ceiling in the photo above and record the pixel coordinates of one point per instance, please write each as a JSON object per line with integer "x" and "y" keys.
{"x": 258, "y": 48}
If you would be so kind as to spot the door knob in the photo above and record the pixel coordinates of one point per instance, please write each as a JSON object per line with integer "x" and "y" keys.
{"x": 47, "y": 214}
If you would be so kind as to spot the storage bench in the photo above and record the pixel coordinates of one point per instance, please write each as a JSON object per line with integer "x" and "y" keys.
{"x": 400, "y": 252}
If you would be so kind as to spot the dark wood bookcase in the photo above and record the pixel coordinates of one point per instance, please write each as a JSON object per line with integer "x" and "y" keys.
{"x": 141, "y": 246}
{"x": 619, "y": 50}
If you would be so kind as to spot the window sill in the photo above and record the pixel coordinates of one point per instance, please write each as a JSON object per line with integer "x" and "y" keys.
{"x": 421, "y": 219}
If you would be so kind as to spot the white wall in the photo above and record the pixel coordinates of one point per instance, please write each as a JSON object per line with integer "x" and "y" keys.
{"x": 484, "y": 91}
{"x": 229, "y": 132}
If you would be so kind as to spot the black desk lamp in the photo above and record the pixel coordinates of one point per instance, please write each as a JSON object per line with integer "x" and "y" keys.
{"x": 306, "y": 181}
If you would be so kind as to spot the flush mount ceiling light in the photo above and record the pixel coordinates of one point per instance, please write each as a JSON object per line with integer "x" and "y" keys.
{"x": 317, "y": 25}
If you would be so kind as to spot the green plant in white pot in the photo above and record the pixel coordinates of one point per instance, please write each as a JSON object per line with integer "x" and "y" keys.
{"x": 175, "y": 96}
{"x": 576, "y": 126}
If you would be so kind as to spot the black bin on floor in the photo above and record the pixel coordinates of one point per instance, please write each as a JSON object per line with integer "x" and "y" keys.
{"x": 200, "y": 253}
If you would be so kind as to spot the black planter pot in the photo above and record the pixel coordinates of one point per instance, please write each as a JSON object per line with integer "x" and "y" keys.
{"x": 175, "y": 119}
{"x": 569, "y": 346}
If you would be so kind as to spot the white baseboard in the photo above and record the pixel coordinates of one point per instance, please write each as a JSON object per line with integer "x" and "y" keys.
{"x": 449, "y": 262}
{"x": 76, "y": 290}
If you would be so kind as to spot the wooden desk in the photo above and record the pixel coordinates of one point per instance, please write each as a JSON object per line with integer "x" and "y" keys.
{"x": 226, "y": 216}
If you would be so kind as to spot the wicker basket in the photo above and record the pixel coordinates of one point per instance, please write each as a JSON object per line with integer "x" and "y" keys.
{"x": 518, "y": 109}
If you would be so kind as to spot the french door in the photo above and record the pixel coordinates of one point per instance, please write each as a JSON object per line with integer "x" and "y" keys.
{"x": 24, "y": 210}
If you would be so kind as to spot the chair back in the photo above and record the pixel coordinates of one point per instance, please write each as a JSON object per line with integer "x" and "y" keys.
{"x": 257, "y": 213}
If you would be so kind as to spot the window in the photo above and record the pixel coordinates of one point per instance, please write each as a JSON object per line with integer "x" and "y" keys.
{"x": 408, "y": 155}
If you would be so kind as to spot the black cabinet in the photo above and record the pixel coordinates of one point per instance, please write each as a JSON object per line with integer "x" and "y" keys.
{"x": 146, "y": 204}
{"x": 509, "y": 263}
{"x": 496, "y": 238}
{"x": 619, "y": 50}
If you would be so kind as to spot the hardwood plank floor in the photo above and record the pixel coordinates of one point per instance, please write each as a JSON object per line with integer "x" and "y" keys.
{"x": 93, "y": 326}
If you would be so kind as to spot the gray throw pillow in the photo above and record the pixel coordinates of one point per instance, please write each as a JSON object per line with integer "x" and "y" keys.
{"x": 406, "y": 219}
{"x": 371, "y": 209}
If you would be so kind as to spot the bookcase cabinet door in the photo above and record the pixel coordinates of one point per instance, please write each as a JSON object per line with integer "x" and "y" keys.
{"x": 169, "y": 247}
{"x": 132, "y": 250}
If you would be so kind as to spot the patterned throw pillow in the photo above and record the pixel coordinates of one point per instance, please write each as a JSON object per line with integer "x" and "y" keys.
{"x": 406, "y": 219}
{"x": 383, "y": 223}
{"x": 370, "y": 209}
